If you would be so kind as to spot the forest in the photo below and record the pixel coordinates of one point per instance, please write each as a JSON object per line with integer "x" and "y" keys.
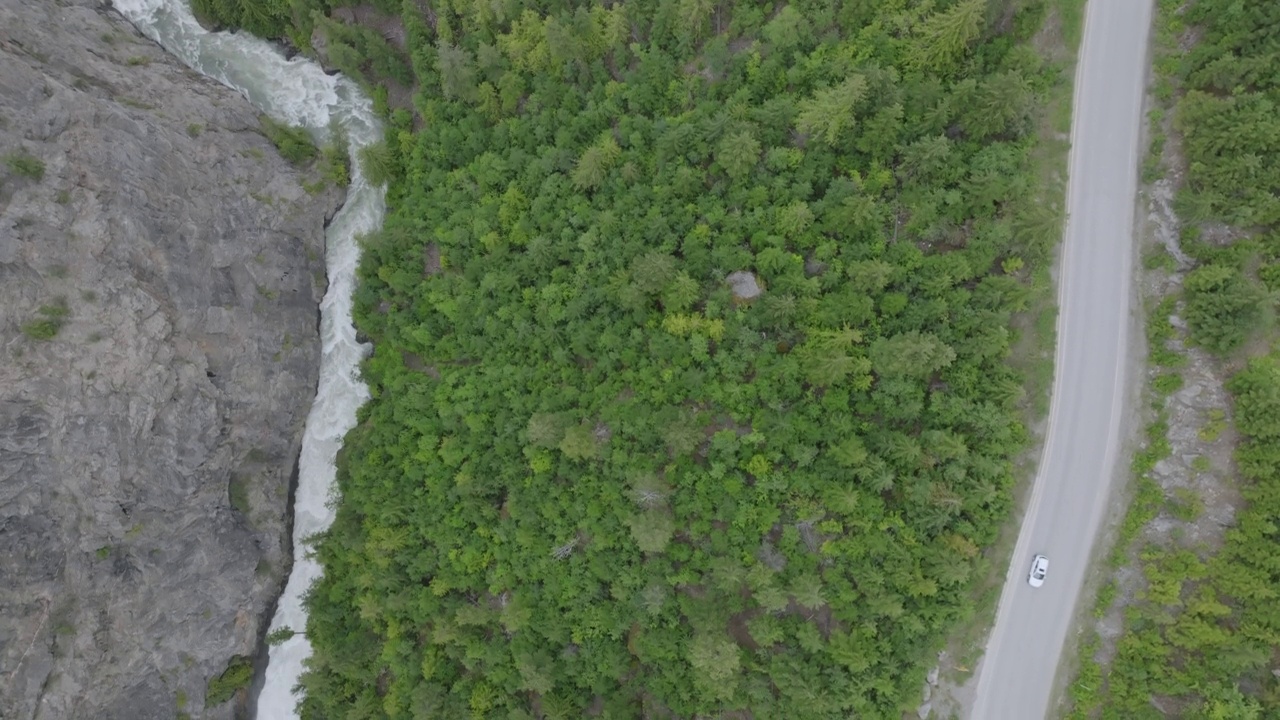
{"x": 691, "y": 389}
{"x": 1202, "y": 638}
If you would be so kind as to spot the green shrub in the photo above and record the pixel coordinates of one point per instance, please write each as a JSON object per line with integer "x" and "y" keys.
{"x": 294, "y": 144}
{"x": 335, "y": 160}
{"x": 25, "y": 165}
{"x": 1168, "y": 358}
{"x": 264, "y": 18}
{"x": 1214, "y": 427}
{"x": 1106, "y": 596}
{"x": 1256, "y": 390}
{"x": 223, "y": 687}
{"x": 1185, "y": 504}
{"x": 1158, "y": 258}
{"x": 1167, "y": 383}
{"x": 52, "y": 318}
{"x": 279, "y": 635}
{"x": 1159, "y": 328}
{"x": 1151, "y": 167}
{"x": 377, "y": 163}
{"x": 1223, "y": 306}
{"x": 238, "y": 493}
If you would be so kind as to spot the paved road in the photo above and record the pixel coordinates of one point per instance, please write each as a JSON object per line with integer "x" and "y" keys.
{"x": 1074, "y": 482}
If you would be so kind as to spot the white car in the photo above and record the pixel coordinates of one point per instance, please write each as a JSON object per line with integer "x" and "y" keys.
{"x": 1039, "y": 568}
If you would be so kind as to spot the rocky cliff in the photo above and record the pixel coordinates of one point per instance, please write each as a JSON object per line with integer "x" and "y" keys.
{"x": 160, "y": 269}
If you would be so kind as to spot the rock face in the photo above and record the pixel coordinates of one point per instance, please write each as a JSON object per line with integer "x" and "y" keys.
{"x": 160, "y": 270}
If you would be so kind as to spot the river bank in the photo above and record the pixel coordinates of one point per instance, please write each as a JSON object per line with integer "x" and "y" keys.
{"x": 298, "y": 92}
{"x": 160, "y": 272}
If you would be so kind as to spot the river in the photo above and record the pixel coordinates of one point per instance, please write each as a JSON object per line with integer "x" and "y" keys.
{"x": 298, "y": 92}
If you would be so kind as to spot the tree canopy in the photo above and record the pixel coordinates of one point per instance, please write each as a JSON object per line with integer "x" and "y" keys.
{"x": 597, "y": 479}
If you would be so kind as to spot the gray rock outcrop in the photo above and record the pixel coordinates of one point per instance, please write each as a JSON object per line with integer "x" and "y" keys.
{"x": 160, "y": 270}
{"x": 744, "y": 285}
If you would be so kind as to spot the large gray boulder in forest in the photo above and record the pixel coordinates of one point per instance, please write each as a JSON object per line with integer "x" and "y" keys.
{"x": 160, "y": 270}
{"x": 744, "y": 285}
